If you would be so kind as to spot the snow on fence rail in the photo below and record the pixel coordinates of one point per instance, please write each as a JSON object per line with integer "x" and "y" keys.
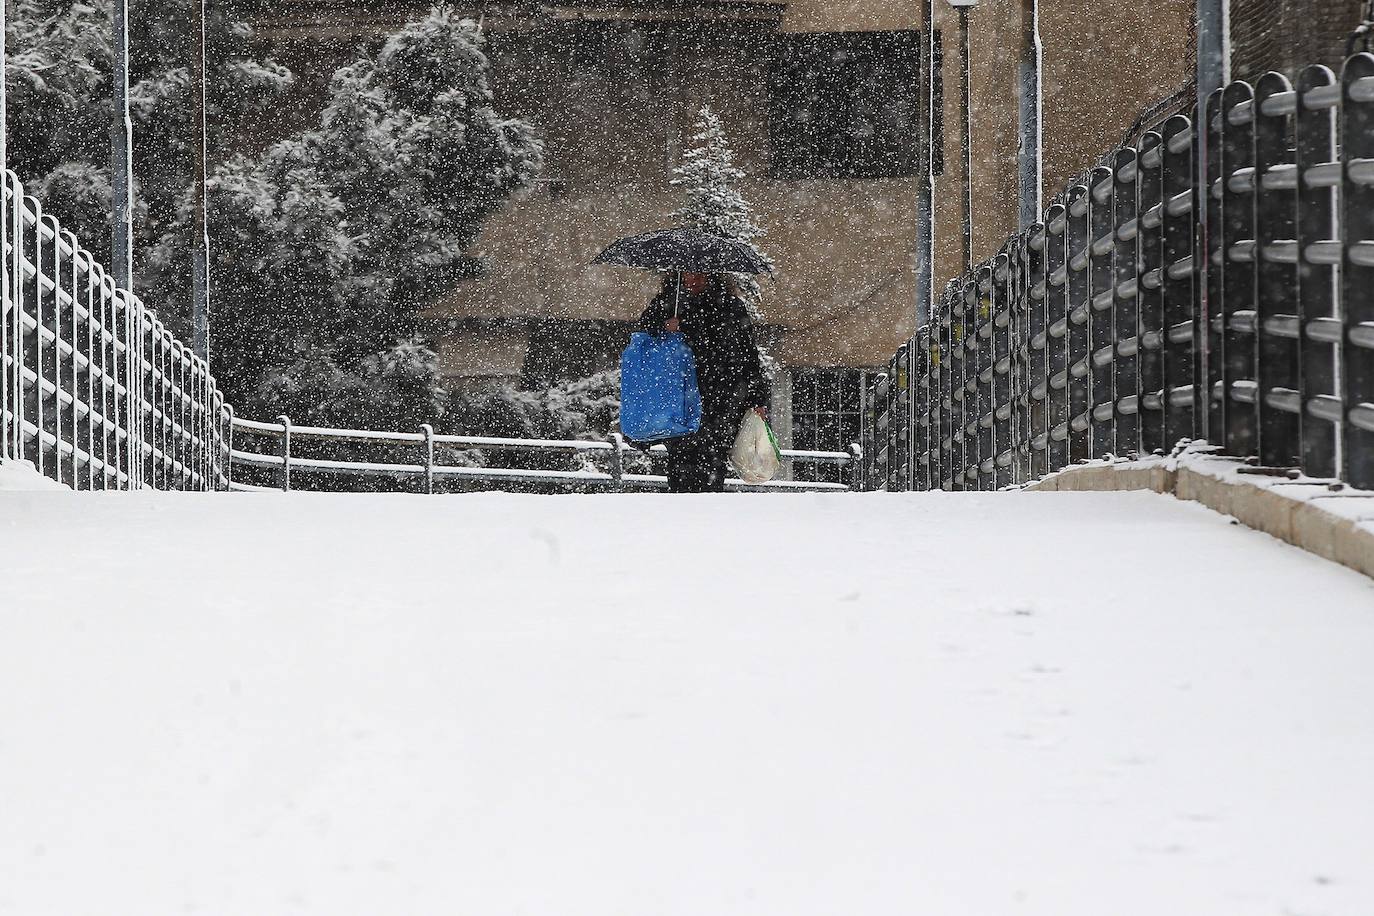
{"x": 281, "y": 462}
{"x": 1141, "y": 312}
{"x": 93, "y": 389}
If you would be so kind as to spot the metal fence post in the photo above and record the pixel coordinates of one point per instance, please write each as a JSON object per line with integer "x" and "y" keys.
{"x": 982, "y": 383}
{"x": 919, "y": 348}
{"x": 1101, "y": 296}
{"x": 285, "y": 422}
{"x": 1056, "y": 337}
{"x": 38, "y": 363}
{"x": 617, "y": 462}
{"x": 18, "y": 289}
{"x": 1237, "y": 179}
{"x": 1215, "y": 357}
{"x": 856, "y": 467}
{"x": 1126, "y": 291}
{"x": 1150, "y": 292}
{"x": 1037, "y": 366}
{"x": 1319, "y": 255}
{"x": 1357, "y": 279}
{"x": 228, "y": 446}
{"x": 1277, "y": 328}
{"x": 1179, "y": 233}
{"x": 944, "y": 330}
{"x": 899, "y": 411}
{"x": 960, "y": 329}
{"x": 6, "y": 306}
{"x": 428, "y": 431}
{"x": 1078, "y": 307}
{"x": 1001, "y": 359}
{"x": 1018, "y": 322}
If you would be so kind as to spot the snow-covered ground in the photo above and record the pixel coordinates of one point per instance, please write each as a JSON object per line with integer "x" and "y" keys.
{"x": 22, "y": 475}
{"x": 1059, "y": 704}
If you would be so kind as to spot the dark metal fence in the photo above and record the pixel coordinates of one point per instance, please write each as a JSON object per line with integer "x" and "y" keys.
{"x": 1141, "y": 312}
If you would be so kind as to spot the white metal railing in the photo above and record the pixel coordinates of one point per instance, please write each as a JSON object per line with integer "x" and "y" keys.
{"x": 93, "y": 389}
{"x": 281, "y": 461}
{"x": 98, "y": 394}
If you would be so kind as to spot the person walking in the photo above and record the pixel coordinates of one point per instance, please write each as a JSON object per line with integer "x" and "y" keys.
{"x": 709, "y": 312}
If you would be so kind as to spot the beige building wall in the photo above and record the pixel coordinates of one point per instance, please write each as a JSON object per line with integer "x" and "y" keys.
{"x": 851, "y": 16}
{"x": 845, "y": 249}
{"x": 1104, "y": 63}
{"x": 844, "y": 291}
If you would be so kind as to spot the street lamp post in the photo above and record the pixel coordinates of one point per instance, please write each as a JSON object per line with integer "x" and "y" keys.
{"x": 1213, "y": 72}
{"x": 121, "y": 157}
{"x": 200, "y": 241}
{"x": 964, "y": 7}
{"x": 4, "y": 62}
{"x": 925, "y": 203}
{"x": 1030, "y": 161}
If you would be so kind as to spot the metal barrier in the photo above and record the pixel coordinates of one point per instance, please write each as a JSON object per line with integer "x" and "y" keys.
{"x": 98, "y": 394}
{"x": 93, "y": 389}
{"x": 1140, "y": 312}
{"x": 282, "y": 462}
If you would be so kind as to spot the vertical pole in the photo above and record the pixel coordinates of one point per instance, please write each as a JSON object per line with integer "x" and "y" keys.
{"x": 1101, "y": 313}
{"x": 967, "y": 139}
{"x": 285, "y": 422}
{"x": 428, "y": 430}
{"x": 121, "y": 156}
{"x": 1276, "y": 284}
{"x": 1238, "y": 278}
{"x": 1030, "y": 162}
{"x": 1357, "y": 274}
{"x": 4, "y": 237}
{"x": 228, "y": 453}
{"x": 925, "y": 200}
{"x": 4, "y": 125}
{"x": 1317, "y": 282}
{"x": 1213, "y": 73}
{"x": 1213, "y": 47}
{"x": 618, "y": 462}
{"x": 200, "y": 242}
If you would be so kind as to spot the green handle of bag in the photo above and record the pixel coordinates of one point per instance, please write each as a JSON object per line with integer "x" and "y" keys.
{"x": 773, "y": 440}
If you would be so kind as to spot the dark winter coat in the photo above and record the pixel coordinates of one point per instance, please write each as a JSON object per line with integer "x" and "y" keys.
{"x": 729, "y": 369}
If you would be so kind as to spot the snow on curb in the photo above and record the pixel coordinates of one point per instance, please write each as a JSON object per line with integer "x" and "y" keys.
{"x": 1324, "y": 517}
{"x": 22, "y": 475}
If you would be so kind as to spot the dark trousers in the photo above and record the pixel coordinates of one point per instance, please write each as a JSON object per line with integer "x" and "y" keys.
{"x": 696, "y": 463}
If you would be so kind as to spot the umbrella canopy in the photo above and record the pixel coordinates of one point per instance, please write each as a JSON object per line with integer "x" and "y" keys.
{"x": 689, "y": 250}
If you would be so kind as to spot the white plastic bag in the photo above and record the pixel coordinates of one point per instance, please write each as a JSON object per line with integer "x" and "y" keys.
{"x": 755, "y": 457}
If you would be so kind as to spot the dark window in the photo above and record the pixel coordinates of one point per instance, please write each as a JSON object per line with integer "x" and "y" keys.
{"x": 825, "y": 417}
{"x": 937, "y": 104}
{"x": 844, "y": 104}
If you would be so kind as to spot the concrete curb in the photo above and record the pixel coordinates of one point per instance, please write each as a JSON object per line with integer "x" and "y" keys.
{"x": 1337, "y": 524}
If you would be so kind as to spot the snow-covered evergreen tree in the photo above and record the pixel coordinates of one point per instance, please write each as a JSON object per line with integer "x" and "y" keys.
{"x": 714, "y": 203}
{"x": 329, "y": 244}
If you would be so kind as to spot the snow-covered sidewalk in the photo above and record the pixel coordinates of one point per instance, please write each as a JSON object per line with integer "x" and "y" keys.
{"x": 1058, "y": 704}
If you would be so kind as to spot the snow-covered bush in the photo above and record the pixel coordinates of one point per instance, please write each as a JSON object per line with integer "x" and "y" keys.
{"x": 328, "y": 244}
{"x": 586, "y": 408}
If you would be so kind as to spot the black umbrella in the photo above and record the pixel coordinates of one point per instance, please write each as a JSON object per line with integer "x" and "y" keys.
{"x": 689, "y": 250}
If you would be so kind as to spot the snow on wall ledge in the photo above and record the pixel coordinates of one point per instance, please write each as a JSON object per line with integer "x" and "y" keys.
{"x": 22, "y": 475}
{"x": 1324, "y": 517}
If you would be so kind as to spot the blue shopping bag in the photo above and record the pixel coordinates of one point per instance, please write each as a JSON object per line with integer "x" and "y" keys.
{"x": 658, "y": 388}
